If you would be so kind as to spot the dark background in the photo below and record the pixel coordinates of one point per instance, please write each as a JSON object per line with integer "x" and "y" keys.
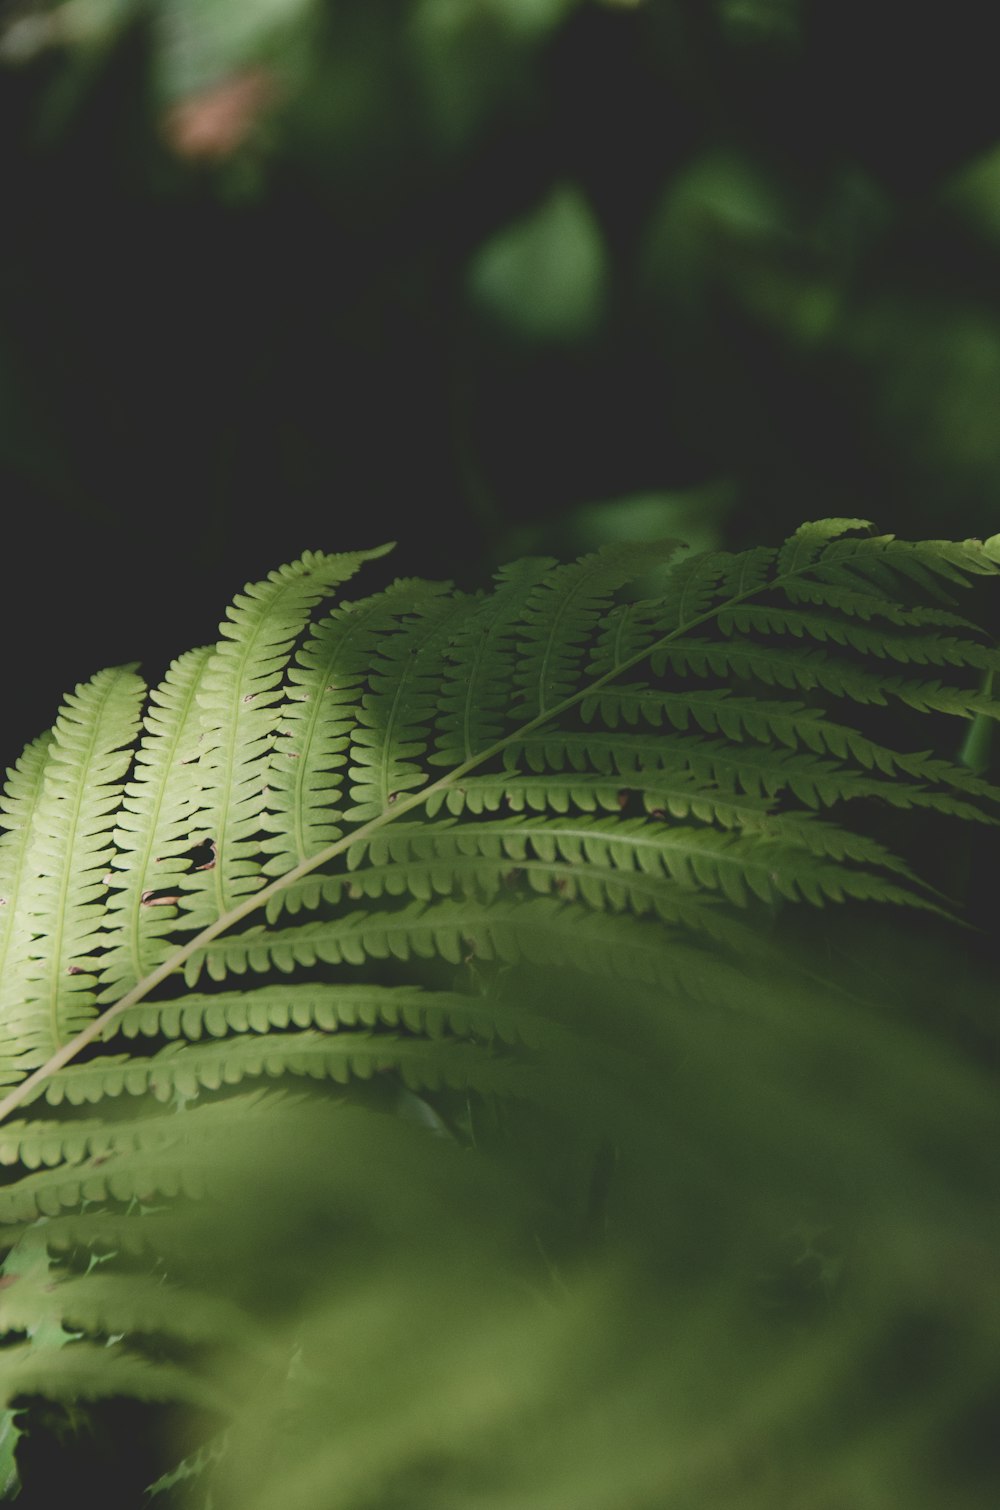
{"x": 482, "y": 276}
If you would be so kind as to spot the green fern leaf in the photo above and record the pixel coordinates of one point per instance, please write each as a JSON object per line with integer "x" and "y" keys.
{"x": 156, "y": 828}
{"x": 879, "y": 561}
{"x": 769, "y": 861}
{"x": 188, "y": 1164}
{"x": 562, "y": 613}
{"x": 375, "y": 684}
{"x": 165, "y": 1232}
{"x": 539, "y": 931}
{"x": 394, "y": 715}
{"x": 326, "y": 682}
{"x": 478, "y": 670}
{"x": 88, "y": 1371}
{"x": 22, "y": 795}
{"x": 475, "y": 875}
{"x": 119, "y": 1304}
{"x": 328, "y": 1008}
{"x": 189, "y": 1069}
{"x": 679, "y": 793}
{"x": 194, "y": 1016}
{"x": 240, "y": 696}
{"x": 63, "y": 881}
{"x": 810, "y": 541}
{"x": 856, "y": 603}
{"x": 39, "y": 1143}
{"x": 808, "y": 670}
{"x": 760, "y": 771}
{"x": 919, "y": 649}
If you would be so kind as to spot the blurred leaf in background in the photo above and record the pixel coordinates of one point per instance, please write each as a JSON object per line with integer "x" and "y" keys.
{"x": 542, "y": 278}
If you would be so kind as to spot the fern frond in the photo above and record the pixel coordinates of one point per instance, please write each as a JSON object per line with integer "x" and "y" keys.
{"x": 757, "y": 770}
{"x": 629, "y": 631}
{"x": 62, "y": 866}
{"x": 485, "y": 876}
{"x": 794, "y": 668}
{"x": 156, "y": 828}
{"x": 879, "y": 561}
{"x": 702, "y": 589}
{"x": 857, "y": 603}
{"x": 395, "y": 714}
{"x": 478, "y": 669}
{"x": 329, "y": 1008}
{"x": 716, "y": 711}
{"x": 306, "y": 770}
{"x": 239, "y": 697}
{"x": 810, "y": 541}
{"x": 98, "y": 1304}
{"x": 132, "y": 1174}
{"x": 713, "y": 710}
{"x": 38, "y": 1143}
{"x": 22, "y": 788}
{"x": 775, "y": 860}
{"x": 677, "y": 792}
{"x": 188, "y": 1069}
{"x": 695, "y": 585}
{"x": 89, "y": 1371}
{"x": 539, "y": 931}
{"x": 918, "y": 648}
{"x": 365, "y": 692}
{"x": 18, "y": 805}
{"x": 561, "y": 614}
{"x": 167, "y": 1232}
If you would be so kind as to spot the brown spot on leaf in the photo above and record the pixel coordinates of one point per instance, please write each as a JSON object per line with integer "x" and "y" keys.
{"x": 154, "y": 899}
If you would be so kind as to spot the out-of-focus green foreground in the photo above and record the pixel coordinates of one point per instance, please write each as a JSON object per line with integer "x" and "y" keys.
{"x": 731, "y": 1262}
